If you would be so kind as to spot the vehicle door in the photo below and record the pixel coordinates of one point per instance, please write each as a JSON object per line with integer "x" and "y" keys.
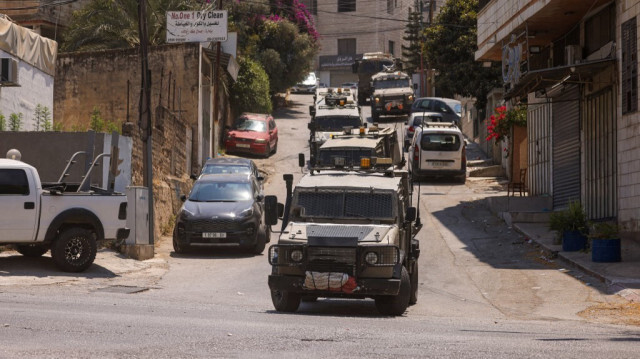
{"x": 18, "y": 211}
{"x": 273, "y": 133}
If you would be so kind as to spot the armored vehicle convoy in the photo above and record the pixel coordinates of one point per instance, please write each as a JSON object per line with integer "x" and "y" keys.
{"x": 332, "y": 112}
{"x": 370, "y": 64}
{"x": 345, "y": 234}
{"x": 346, "y": 150}
{"x": 393, "y": 94}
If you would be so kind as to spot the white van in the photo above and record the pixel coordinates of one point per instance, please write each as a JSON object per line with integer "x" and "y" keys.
{"x": 438, "y": 149}
{"x": 309, "y": 84}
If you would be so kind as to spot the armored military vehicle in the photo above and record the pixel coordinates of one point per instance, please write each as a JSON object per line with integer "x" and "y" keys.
{"x": 347, "y": 234}
{"x": 393, "y": 94}
{"x": 370, "y": 64}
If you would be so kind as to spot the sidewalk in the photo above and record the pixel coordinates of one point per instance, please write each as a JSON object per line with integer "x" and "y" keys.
{"x": 622, "y": 278}
{"x": 529, "y": 216}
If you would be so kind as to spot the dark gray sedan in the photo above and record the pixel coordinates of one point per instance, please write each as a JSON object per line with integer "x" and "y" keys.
{"x": 222, "y": 210}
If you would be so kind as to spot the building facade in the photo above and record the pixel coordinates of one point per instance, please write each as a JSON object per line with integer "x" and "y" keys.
{"x": 574, "y": 64}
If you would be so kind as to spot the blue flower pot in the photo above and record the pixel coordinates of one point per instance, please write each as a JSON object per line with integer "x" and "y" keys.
{"x": 605, "y": 250}
{"x": 573, "y": 241}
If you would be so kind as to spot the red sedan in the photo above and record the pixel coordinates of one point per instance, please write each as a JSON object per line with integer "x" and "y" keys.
{"x": 253, "y": 133}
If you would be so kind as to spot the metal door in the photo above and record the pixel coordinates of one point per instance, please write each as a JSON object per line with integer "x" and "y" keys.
{"x": 539, "y": 148}
{"x": 566, "y": 147}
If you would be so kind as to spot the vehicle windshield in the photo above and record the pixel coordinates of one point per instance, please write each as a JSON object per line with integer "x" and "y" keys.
{"x": 245, "y": 124}
{"x": 351, "y": 156}
{"x": 457, "y": 108}
{"x": 374, "y": 66}
{"x": 225, "y": 168}
{"x": 428, "y": 118}
{"x": 440, "y": 142}
{"x": 391, "y": 83}
{"x": 344, "y": 204}
{"x": 220, "y": 192}
{"x": 336, "y": 123}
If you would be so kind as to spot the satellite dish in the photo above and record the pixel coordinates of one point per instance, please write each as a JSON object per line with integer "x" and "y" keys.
{"x": 14, "y": 154}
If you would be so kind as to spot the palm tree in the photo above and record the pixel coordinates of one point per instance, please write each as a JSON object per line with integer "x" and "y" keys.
{"x": 112, "y": 24}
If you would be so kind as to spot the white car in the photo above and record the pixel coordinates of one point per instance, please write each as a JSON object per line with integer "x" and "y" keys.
{"x": 415, "y": 120}
{"x": 438, "y": 150}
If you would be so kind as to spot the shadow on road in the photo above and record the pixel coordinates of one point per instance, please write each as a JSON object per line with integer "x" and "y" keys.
{"x": 336, "y": 307}
{"x": 42, "y": 267}
{"x": 221, "y": 252}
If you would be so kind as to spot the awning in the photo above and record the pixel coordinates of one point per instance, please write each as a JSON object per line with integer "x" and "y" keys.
{"x": 227, "y": 61}
{"x": 540, "y": 79}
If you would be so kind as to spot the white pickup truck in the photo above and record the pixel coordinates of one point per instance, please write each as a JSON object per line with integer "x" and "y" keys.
{"x": 36, "y": 217}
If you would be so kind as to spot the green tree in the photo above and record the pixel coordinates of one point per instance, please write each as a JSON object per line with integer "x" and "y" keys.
{"x": 47, "y": 124}
{"x": 37, "y": 120}
{"x": 450, "y": 45}
{"x": 15, "y": 121}
{"x": 113, "y": 24}
{"x": 3, "y": 122}
{"x": 250, "y": 93}
{"x": 411, "y": 52}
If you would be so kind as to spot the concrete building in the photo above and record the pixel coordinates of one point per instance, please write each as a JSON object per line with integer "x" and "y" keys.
{"x": 575, "y": 64}
{"x": 350, "y": 28}
{"x": 27, "y": 69}
{"x": 44, "y": 17}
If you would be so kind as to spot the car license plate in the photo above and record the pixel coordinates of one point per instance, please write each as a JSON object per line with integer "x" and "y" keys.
{"x": 243, "y": 145}
{"x": 439, "y": 163}
{"x": 214, "y": 235}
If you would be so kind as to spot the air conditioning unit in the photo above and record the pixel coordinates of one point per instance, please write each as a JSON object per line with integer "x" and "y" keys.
{"x": 572, "y": 54}
{"x": 8, "y": 72}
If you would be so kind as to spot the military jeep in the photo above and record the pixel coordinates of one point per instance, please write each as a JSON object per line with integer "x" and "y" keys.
{"x": 348, "y": 235}
{"x": 393, "y": 94}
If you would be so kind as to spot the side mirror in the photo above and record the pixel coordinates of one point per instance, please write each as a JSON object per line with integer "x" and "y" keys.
{"x": 411, "y": 214}
{"x": 311, "y": 126}
{"x": 183, "y": 198}
{"x": 193, "y": 177}
{"x": 301, "y": 160}
{"x": 271, "y": 209}
{"x": 260, "y": 178}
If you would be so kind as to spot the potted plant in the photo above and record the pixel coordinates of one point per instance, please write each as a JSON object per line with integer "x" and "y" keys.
{"x": 605, "y": 242}
{"x": 571, "y": 226}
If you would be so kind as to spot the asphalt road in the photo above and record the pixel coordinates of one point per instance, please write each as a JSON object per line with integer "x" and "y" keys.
{"x": 484, "y": 292}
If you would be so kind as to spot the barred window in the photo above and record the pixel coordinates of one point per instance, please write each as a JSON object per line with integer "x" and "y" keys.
{"x": 629, "y": 66}
{"x": 346, "y": 5}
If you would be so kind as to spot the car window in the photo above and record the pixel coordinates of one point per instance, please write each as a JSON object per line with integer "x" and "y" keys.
{"x": 390, "y": 83}
{"x": 440, "y": 142}
{"x": 225, "y": 168}
{"x": 245, "y": 124}
{"x": 272, "y": 125}
{"x": 221, "y": 192}
{"x": 336, "y": 123}
{"x": 423, "y": 105}
{"x": 13, "y": 181}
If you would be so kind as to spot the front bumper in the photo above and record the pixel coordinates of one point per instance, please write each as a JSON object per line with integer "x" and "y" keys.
{"x": 438, "y": 172}
{"x": 241, "y": 232}
{"x": 366, "y": 287}
{"x": 253, "y": 147}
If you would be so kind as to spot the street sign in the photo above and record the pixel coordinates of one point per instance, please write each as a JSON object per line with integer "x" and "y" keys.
{"x": 196, "y": 26}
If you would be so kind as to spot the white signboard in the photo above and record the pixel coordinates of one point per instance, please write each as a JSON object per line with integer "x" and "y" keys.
{"x": 196, "y": 26}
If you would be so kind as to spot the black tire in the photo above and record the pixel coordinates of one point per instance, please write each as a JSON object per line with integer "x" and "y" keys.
{"x": 74, "y": 250}
{"x": 268, "y": 152}
{"x": 261, "y": 241}
{"x": 177, "y": 246}
{"x": 32, "y": 250}
{"x": 396, "y": 304}
{"x": 461, "y": 179}
{"x": 413, "y": 299}
{"x": 275, "y": 148}
{"x": 285, "y": 301}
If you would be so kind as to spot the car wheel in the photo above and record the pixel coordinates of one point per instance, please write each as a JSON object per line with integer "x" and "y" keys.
{"x": 396, "y": 304}
{"x": 413, "y": 299}
{"x": 74, "y": 250}
{"x": 32, "y": 250}
{"x": 180, "y": 248}
{"x": 267, "y": 153}
{"x": 285, "y": 301}
{"x": 275, "y": 148}
{"x": 261, "y": 241}
{"x": 461, "y": 179}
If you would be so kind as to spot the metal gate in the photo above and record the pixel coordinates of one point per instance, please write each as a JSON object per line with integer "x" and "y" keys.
{"x": 566, "y": 147}
{"x": 600, "y": 155}
{"x": 539, "y": 148}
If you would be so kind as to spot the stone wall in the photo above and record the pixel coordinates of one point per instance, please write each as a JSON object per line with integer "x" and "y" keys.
{"x": 110, "y": 81}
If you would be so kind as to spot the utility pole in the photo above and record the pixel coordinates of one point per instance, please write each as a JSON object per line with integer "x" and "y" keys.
{"x": 216, "y": 99}
{"x": 145, "y": 111}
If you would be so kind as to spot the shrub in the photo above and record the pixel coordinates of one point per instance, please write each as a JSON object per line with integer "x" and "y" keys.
{"x": 250, "y": 93}
{"x": 15, "y": 121}
{"x": 3, "y": 122}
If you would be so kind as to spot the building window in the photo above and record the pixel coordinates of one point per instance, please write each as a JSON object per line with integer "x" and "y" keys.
{"x": 346, "y": 46}
{"x": 629, "y": 66}
{"x": 600, "y": 29}
{"x": 346, "y": 5}
{"x": 390, "y": 6}
{"x": 391, "y": 47}
{"x": 312, "y": 5}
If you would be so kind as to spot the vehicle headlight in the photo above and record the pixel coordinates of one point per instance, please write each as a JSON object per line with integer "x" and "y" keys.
{"x": 296, "y": 255}
{"x": 410, "y": 97}
{"x": 371, "y": 258}
{"x": 260, "y": 140}
{"x": 246, "y": 213}
{"x": 377, "y": 99}
{"x": 185, "y": 214}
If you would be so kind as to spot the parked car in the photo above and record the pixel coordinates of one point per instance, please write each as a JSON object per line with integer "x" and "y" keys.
{"x": 231, "y": 165}
{"x": 309, "y": 85}
{"x": 450, "y": 109}
{"x": 415, "y": 120}
{"x": 253, "y": 133}
{"x": 438, "y": 150}
{"x": 350, "y": 85}
{"x": 222, "y": 210}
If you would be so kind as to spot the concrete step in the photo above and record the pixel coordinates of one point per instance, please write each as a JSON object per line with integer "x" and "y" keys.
{"x": 489, "y": 171}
